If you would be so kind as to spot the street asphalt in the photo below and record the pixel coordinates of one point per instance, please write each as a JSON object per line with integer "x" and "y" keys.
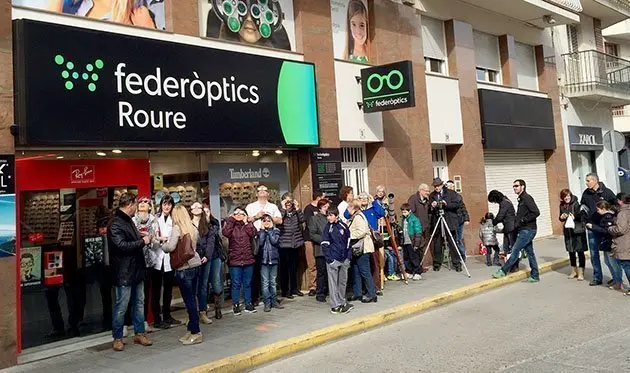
{"x": 557, "y": 325}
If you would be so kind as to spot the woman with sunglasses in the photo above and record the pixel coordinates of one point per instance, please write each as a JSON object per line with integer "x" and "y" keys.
{"x": 241, "y": 258}
{"x": 219, "y": 256}
{"x": 205, "y": 249}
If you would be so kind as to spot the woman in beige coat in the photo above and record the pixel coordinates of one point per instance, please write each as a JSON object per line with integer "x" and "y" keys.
{"x": 621, "y": 235}
{"x": 360, "y": 236}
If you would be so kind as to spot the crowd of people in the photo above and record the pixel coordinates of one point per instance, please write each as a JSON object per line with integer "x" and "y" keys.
{"x": 350, "y": 250}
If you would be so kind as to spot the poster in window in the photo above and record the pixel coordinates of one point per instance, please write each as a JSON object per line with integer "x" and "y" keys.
{"x": 266, "y": 23}
{"x": 140, "y": 13}
{"x": 351, "y": 30}
{"x": 94, "y": 250}
{"x": 30, "y": 266}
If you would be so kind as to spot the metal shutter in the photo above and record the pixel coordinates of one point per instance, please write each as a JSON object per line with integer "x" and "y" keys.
{"x": 503, "y": 167}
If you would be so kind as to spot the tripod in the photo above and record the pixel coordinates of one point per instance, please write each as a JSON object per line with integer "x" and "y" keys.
{"x": 441, "y": 223}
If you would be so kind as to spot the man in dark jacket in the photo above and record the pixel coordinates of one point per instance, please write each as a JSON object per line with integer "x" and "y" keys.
{"x": 335, "y": 246}
{"x": 311, "y": 267}
{"x": 525, "y": 225}
{"x": 316, "y": 226}
{"x": 595, "y": 192}
{"x": 444, "y": 202}
{"x": 464, "y": 219}
{"x": 291, "y": 243}
{"x": 127, "y": 259}
{"x": 421, "y": 208}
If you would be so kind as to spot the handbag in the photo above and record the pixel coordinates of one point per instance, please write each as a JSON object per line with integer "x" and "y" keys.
{"x": 377, "y": 238}
{"x": 184, "y": 251}
{"x": 570, "y": 222}
{"x": 357, "y": 247}
{"x": 255, "y": 245}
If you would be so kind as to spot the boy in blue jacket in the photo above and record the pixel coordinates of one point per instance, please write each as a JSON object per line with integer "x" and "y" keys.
{"x": 269, "y": 251}
{"x": 337, "y": 251}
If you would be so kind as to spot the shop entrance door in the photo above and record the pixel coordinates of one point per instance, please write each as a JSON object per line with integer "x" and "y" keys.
{"x": 583, "y": 164}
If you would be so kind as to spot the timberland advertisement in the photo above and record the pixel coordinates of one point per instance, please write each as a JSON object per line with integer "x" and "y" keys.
{"x": 83, "y": 87}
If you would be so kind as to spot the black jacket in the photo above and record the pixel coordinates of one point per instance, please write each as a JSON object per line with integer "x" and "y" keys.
{"x": 527, "y": 212}
{"x": 316, "y": 226}
{"x": 453, "y": 203}
{"x": 125, "y": 249}
{"x": 308, "y": 212}
{"x": 506, "y": 215}
{"x": 591, "y": 197}
{"x": 291, "y": 229}
{"x": 605, "y": 239}
{"x": 206, "y": 244}
{"x": 462, "y": 213}
{"x": 572, "y": 208}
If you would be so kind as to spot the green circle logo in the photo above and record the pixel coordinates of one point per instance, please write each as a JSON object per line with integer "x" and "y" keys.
{"x": 387, "y": 78}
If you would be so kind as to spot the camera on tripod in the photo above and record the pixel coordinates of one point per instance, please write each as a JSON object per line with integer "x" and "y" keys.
{"x": 440, "y": 206}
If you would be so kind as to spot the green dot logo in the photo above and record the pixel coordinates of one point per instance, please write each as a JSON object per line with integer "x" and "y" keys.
{"x": 89, "y": 74}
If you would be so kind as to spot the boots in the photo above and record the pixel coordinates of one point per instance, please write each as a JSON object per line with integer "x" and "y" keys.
{"x": 580, "y": 272}
{"x": 218, "y": 298}
{"x": 204, "y": 318}
{"x": 573, "y": 273}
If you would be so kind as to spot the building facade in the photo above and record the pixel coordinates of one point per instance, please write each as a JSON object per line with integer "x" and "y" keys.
{"x": 199, "y": 102}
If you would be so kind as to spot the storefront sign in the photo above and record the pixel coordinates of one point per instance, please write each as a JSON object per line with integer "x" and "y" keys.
{"x": 82, "y": 174}
{"x": 85, "y": 87}
{"x": 234, "y": 184}
{"x": 326, "y": 172}
{"x": 388, "y": 87}
{"x": 36, "y": 237}
{"x": 586, "y": 138}
{"x": 7, "y": 172}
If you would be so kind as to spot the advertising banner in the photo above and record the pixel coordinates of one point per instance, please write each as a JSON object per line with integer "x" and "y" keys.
{"x": 141, "y": 13}
{"x": 7, "y": 205}
{"x": 30, "y": 266}
{"x": 82, "y": 87}
{"x": 351, "y": 30}
{"x": 388, "y": 87}
{"x": 234, "y": 184}
{"x": 266, "y": 23}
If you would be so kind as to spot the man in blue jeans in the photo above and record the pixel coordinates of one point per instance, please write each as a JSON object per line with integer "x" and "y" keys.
{"x": 526, "y": 227}
{"x": 127, "y": 259}
{"x": 595, "y": 192}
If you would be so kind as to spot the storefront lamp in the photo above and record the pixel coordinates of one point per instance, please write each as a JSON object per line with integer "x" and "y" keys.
{"x": 116, "y": 151}
{"x": 101, "y": 154}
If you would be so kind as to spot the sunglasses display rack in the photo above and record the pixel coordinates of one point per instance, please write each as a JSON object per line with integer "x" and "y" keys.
{"x": 87, "y": 221}
{"x": 187, "y": 193}
{"x": 40, "y": 214}
{"x": 118, "y": 192}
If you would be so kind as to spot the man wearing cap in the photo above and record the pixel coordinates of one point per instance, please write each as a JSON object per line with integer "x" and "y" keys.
{"x": 255, "y": 212}
{"x": 444, "y": 202}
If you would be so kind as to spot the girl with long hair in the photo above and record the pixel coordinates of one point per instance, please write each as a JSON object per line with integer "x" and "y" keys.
{"x": 127, "y": 12}
{"x": 357, "y": 34}
{"x": 188, "y": 274}
{"x": 571, "y": 219}
{"x": 205, "y": 249}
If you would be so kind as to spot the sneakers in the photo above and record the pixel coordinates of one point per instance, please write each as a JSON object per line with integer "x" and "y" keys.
{"x": 393, "y": 277}
{"x": 118, "y": 345}
{"x": 193, "y": 339}
{"x": 369, "y": 300}
{"x": 618, "y": 287}
{"x": 267, "y": 308}
{"x": 236, "y": 309}
{"x": 171, "y": 321}
{"x": 185, "y": 337}
{"x": 321, "y": 299}
{"x": 532, "y": 280}
{"x": 335, "y": 310}
{"x": 277, "y": 305}
{"x": 417, "y": 277}
{"x": 141, "y": 339}
{"x": 250, "y": 308}
{"x": 203, "y": 317}
{"x": 595, "y": 283}
{"x": 498, "y": 274}
{"x": 126, "y": 331}
{"x": 610, "y": 282}
{"x": 347, "y": 308}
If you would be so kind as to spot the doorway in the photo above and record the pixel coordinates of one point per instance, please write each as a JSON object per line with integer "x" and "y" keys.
{"x": 583, "y": 164}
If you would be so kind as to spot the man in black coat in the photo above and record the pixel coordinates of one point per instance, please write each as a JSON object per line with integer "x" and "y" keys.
{"x": 525, "y": 224}
{"x": 447, "y": 203}
{"x": 127, "y": 260}
{"x": 596, "y": 191}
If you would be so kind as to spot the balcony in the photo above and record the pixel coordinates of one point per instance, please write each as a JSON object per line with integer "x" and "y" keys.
{"x": 608, "y": 11}
{"x": 535, "y": 12}
{"x": 621, "y": 119}
{"x": 593, "y": 75}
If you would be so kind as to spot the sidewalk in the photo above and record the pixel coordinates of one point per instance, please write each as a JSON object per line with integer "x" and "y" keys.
{"x": 238, "y": 334}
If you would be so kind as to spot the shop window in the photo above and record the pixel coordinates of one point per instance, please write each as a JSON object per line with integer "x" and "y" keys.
{"x": 440, "y": 163}
{"x": 354, "y": 166}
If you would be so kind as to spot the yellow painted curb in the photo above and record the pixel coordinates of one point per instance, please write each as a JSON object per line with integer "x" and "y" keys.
{"x": 274, "y": 351}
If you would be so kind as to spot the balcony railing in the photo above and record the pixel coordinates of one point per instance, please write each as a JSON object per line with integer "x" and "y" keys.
{"x": 593, "y": 73}
{"x": 622, "y": 4}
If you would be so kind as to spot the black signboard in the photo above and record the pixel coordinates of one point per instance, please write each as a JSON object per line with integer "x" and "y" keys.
{"x": 326, "y": 171}
{"x": 586, "y": 138}
{"x": 7, "y": 174}
{"x": 81, "y": 87}
{"x": 388, "y": 87}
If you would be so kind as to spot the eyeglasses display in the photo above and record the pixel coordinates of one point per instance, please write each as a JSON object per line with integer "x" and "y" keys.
{"x": 40, "y": 214}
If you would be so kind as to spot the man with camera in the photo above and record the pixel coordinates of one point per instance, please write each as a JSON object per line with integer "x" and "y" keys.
{"x": 444, "y": 203}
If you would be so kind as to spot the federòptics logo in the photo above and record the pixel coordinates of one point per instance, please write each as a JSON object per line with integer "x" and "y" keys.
{"x": 74, "y": 75}
{"x": 387, "y": 87}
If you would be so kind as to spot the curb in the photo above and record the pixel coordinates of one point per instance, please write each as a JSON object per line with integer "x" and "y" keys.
{"x": 258, "y": 356}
